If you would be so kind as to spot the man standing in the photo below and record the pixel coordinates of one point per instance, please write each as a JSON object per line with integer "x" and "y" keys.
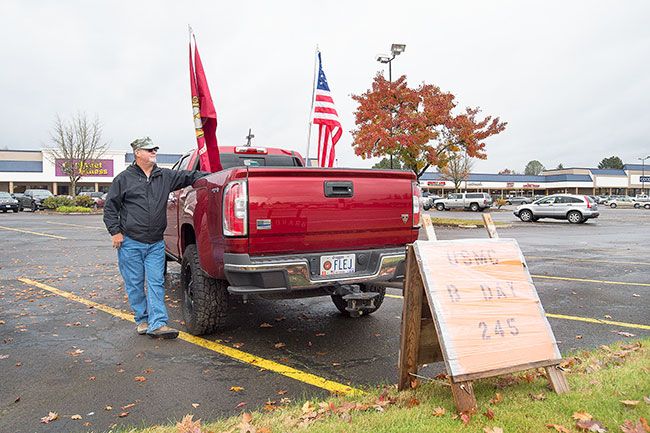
{"x": 135, "y": 216}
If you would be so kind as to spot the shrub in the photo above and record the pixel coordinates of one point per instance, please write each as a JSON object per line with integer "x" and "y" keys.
{"x": 71, "y": 209}
{"x": 57, "y": 201}
{"x": 84, "y": 201}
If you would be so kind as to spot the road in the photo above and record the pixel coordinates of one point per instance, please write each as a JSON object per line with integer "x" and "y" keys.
{"x": 67, "y": 346}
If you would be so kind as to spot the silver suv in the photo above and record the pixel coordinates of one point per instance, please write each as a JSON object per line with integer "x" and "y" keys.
{"x": 474, "y": 201}
{"x": 575, "y": 208}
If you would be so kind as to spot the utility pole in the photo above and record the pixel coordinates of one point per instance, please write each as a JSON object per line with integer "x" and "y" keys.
{"x": 395, "y": 50}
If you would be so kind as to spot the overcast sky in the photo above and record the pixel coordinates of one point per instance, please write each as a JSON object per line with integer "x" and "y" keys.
{"x": 571, "y": 78}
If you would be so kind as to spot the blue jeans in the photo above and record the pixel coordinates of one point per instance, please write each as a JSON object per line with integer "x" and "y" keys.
{"x": 138, "y": 261}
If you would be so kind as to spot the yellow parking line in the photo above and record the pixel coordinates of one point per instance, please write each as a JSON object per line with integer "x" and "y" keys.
{"x": 76, "y": 225}
{"x": 32, "y": 233}
{"x": 247, "y": 358}
{"x": 566, "y": 259}
{"x": 584, "y": 280}
{"x": 576, "y": 318}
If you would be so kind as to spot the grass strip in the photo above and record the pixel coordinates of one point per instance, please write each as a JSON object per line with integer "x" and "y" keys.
{"x": 609, "y": 385}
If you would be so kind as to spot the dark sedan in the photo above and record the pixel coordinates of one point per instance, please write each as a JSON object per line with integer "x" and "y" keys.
{"x": 7, "y": 202}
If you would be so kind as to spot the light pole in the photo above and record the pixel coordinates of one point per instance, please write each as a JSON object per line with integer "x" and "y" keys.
{"x": 395, "y": 50}
{"x": 643, "y": 174}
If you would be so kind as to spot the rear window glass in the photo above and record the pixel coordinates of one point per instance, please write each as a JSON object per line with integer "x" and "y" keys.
{"x": 229, "y": 160}
{"x": 474, "y": 195}
{"x": 574, "y": 200}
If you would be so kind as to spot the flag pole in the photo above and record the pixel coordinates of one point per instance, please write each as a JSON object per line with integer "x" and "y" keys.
{"x": 311, "y": 109}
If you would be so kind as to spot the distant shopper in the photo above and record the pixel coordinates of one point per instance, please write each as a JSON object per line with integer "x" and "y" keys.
{"x": 135, "y": 216}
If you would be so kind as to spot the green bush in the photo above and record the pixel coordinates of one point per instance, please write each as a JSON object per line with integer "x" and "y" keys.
{"x": 84, "y": 201}
{"x": 75, "y": 209}
{"x": 57, "y": 201}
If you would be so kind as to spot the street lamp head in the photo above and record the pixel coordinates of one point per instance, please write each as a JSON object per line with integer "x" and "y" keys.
{"x": 397, "y": 49}
{"x": 383, "y": 58}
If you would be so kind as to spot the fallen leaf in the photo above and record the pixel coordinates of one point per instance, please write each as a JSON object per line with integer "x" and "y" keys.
{"x": 75, "y": 352}
{"x": 538, "y": 397}
{"x": 559, "y": 428}
{"x": 195, "y": 405}
{"x": 237, "y": 345}
{"x": 412, "y": 402}
{"x": 630, "y": 403}
{"x": 92, "y": 378}
{"x": 75, "y": 417}
{"x": 245, "y": 425}
{"x": 128, "y": 406}
{"x": 236, "y": 388}
{"x": 140, "y": 379}
{"x": 188, "y": 426}
{"x": 607, "y": 316}
{"x": 465, "y": 418}
{"x": 439, "y": 411}
{"x": 624, "y": 334}
{"x": 493, "y": 430}
{"x": 591, "y": 425}
{"x": 52, "y": 416}
{"x": 629, "y": 427}
{"x": 266, "y": 325}
{"x": 498, "y": 398}
{"x": 578, "y": 337}
{"x": 489, "y": 414}
{"x": 581, "y": 416}
{"x": 646, "y": 399}
{"x": 279, "y": 345}
{"x": 108, "y": 408}
{"x": 282, "y": 392}
{"x": 123, "y": 414}
{"x": 241, "y": 404}
{"x": 645, "y": 424}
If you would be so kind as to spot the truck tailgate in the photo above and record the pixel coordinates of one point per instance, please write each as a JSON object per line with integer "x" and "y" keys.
{"x": 289, "y": 211}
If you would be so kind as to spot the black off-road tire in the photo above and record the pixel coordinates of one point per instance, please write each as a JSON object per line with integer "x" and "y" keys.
{"x": 440, "y": 206}
{"x": 205, "y": 299}
{"x": 613, "y": 205}
{"x": 341, "y": 303}
{"x": 34, "y": 207}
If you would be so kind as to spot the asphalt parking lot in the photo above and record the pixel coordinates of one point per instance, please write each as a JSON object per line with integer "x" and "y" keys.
{"x": 67, "y": 346}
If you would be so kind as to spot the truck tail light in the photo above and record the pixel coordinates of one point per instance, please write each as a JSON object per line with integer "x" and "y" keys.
{"x": 417, "y": 210}
{"x": 235, "y": 209}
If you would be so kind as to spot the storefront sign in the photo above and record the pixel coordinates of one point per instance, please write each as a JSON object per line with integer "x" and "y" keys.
{"x": 531, "y": 185}
{"x": 95, "y": 168}
{"x": 510, "y": 185}
{"x": 474, "y": 184}
{"x": 644, "y": 178}
{"x": 436, "y": 183}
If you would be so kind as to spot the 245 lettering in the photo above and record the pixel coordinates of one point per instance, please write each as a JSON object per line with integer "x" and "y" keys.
{"x": 498, "y": 329}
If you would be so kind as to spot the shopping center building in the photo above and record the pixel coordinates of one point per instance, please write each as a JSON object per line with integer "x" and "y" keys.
{"x": 25, "y": 169}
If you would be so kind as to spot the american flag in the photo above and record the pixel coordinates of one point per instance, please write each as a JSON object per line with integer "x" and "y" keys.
{"x": 327, "y": 119}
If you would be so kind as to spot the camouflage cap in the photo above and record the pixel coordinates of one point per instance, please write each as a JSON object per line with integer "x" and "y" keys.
{"x": 143, "y": 143}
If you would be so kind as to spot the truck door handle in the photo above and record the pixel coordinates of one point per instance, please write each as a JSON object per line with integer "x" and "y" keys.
{"x": 339, "y": 188}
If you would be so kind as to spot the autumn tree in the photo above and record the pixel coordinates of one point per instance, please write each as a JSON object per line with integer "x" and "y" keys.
{"x": 74, "y": 144}
{"x": 458, "y": 168}
{"x": 418, "y": 125}
{"x": 534, "y": 167}
{"x": 385, "y": 164}
{"x": 612, "y": 162}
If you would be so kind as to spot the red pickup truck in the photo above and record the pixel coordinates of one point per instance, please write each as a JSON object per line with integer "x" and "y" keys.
{"x": 268, "y": 226}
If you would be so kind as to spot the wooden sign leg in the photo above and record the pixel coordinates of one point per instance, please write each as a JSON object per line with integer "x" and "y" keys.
{"x": 411, "y": 321}
{"x": 464, "y": 398}
{"x": 557, "y": 379}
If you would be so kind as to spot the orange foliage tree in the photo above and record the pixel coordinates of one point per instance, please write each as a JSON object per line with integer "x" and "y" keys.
{"x": 418, "y": 125}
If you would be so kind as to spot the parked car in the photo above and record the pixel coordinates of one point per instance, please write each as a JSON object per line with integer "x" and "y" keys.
{"x": 101, "y": 201}
{"x": 95, "y": 195}
{"x": 244, "y": 231}
{"x": 474, "y": 201}
{"x": 624, "y": 201}
{"x": 574, "y": 208}
{"x": 33, "y": 199}
{"x": 428, "y": 200}
{"x": 518, "y": 200}
{"x": 7, "y": 202}
{"x": 642, "y": 198}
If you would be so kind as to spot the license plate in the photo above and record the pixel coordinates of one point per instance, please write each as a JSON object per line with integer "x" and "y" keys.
{"x": 7, "y": 205}
{"x": 337, "y": 264}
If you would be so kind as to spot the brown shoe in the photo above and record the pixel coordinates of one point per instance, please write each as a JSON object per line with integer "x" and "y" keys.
{"x": 142, "y": 328}
{"x": 163, "y": 332}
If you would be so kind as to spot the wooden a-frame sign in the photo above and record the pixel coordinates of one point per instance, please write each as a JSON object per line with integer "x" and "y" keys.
{"x": 472, "y": 304}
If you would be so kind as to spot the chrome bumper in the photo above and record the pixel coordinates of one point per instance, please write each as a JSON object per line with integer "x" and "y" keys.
{"x": 297, "y": 274}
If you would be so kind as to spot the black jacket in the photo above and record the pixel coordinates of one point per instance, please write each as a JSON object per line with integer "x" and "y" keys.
{"x": 137, "y": 207}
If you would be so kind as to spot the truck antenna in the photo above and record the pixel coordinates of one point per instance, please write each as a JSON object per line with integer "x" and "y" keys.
{"x": 249, "y": 137}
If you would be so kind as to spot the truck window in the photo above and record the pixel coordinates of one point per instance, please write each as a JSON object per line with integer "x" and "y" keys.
{"x": 229, "y": 160}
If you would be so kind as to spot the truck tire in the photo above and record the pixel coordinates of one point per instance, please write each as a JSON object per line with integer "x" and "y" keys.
{"x": 341, "y": 303}
{"x": 205, "y": 300}
{"x": 440, "y": 206}
{"x": 474, "y": 207}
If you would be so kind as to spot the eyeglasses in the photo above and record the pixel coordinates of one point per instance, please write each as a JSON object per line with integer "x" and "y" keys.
{"x": 155, "y": 149}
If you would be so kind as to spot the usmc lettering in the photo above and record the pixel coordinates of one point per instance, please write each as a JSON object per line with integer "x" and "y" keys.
{"x": 472, "y": 258}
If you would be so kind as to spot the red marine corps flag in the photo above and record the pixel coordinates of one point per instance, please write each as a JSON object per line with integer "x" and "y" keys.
{"x": 205, "y": 116}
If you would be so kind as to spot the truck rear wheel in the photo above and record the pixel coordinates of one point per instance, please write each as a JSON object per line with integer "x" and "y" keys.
{"x": 205, "y": 300}
{"x": 341, "y": 303}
